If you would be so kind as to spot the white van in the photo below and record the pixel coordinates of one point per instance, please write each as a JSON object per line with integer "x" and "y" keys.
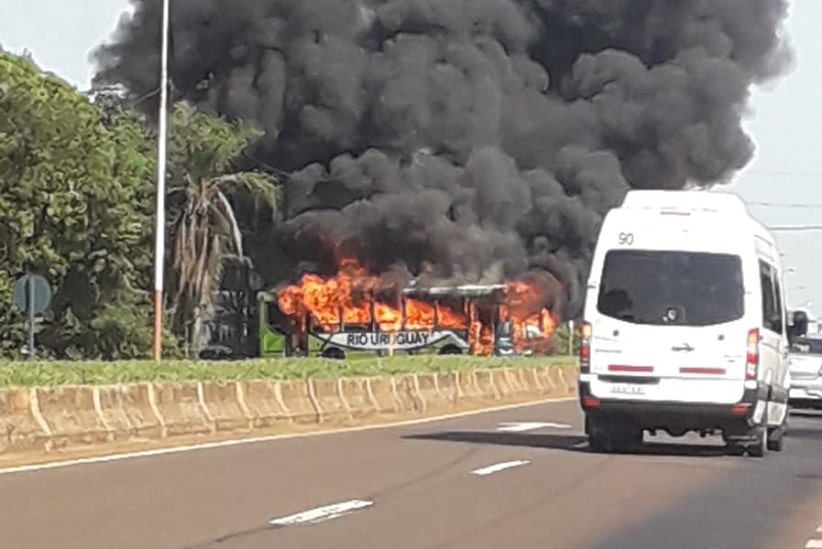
{"x": 685, "y": 326}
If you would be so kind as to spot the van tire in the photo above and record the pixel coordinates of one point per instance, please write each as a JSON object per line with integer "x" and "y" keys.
{"x": 776, "y": 444}
{"x": 759, "y": 449}
{"x": 776, "y": 436}
{"x": 598, "y": 441}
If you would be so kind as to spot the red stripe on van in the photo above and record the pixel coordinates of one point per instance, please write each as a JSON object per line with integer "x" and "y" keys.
{"x": 703, "y": 371}
{"x": 624, "y": 368}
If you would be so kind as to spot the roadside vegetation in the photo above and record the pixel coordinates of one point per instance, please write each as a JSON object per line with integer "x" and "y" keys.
{"x": 52, "y": 373}
{"x": 77, "y": 181}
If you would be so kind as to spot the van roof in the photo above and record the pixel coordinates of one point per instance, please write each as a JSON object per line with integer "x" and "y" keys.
{"x": 719, "y": 205}
{"x": 684, "y": 200}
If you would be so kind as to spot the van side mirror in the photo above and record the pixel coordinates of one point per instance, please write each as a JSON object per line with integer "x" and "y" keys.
{"x": 797, "y": 324}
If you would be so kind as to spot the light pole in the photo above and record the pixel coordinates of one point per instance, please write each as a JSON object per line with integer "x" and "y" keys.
{"x": 160, "y": 234}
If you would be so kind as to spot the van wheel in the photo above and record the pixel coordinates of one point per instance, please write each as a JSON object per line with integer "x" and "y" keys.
{"x": 598, "y": 441}
{"x": 776, "y": 436}
{"x": 760, "y": 448}
{"x": 776, "y": 444}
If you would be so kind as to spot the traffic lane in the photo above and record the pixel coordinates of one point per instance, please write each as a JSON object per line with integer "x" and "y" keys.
{"x": 563, "y": 498}
{"x": 771, "y": 503}
{"x": 670, "y": 496}
{"x": 225, "y": 497}
{"x": 177, "y": 500}
{"x": 804, "y": 444}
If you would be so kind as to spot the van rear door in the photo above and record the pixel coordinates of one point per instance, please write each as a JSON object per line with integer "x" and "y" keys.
{"x": 669, "y": 315}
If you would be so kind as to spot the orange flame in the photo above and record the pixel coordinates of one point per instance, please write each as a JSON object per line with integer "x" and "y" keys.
{"x": 534, "y": 325}
{"x": 350, "y": 298}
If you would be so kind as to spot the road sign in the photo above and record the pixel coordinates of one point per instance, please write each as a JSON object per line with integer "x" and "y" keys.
{"x": 32, "y": 295}
{"x": 32, "y": 289}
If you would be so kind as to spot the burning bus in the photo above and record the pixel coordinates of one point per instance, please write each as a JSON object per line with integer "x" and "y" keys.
{"x": 354, "y": 313}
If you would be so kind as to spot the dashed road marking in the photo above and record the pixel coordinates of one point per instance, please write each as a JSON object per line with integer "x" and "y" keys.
{"x": 814, "y": 544}
{"x": 497, "y": 467}
{"x": 523, "y": 426}
{"x": 321, "y": 514}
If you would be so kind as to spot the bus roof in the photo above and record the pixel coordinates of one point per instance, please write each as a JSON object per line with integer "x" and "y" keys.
{"x": 464, "y": 290}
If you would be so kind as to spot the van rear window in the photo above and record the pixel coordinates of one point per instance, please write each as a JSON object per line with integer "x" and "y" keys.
{"x": 671, "y": 287}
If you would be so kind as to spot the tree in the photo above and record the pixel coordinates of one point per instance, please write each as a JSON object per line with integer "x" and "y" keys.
{"x": 204, "y": 230}
{"x": 75, "y": 205}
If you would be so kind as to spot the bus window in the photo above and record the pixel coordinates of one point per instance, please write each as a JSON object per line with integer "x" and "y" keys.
{"x": 275, "y": 320}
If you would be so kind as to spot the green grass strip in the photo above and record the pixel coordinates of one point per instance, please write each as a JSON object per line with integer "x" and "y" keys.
{"x": 30, "y": 374}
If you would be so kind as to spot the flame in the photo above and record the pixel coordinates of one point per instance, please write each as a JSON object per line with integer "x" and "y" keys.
{"x": 534, "y": 325}
{"x": 350, "y": 297}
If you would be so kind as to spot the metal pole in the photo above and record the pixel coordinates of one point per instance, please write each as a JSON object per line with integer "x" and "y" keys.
{"x": 159, "y": 244}
{"x": 30, "y": 294}
{"x": 570, "y": 338}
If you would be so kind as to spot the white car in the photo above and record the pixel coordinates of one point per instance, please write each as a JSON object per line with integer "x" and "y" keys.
{"x": 805, "y": 366}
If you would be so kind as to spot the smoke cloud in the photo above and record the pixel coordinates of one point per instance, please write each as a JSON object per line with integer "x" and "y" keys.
{"x": 466, "y": 139}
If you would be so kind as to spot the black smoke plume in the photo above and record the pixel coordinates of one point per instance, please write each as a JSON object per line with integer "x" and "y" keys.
{"x": 467, "y": 139}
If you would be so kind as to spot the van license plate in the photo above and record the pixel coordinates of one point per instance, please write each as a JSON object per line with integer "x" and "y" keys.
{"x": 628, "y": 390}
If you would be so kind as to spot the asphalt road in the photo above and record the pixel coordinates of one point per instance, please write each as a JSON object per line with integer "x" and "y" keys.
{"x": 483, "y": 481}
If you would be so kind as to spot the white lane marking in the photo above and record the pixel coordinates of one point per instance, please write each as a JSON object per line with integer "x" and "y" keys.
{"x": 521, "y": 427}
{"x": 321, "y": 514}
{"x": 270, "y": 438}
{"x": 814, "y": 544}
{"x": 819, "y": 528}
{"x": 497, "y": 467}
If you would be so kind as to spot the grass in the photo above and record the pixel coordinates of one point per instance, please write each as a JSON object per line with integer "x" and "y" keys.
{"x": 29, "y": 374}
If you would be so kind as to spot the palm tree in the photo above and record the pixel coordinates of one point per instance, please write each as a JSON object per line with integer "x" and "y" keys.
{"x": 204, "y": 230}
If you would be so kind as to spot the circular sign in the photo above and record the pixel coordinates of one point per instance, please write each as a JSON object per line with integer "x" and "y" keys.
{"x": 32, "y": 291}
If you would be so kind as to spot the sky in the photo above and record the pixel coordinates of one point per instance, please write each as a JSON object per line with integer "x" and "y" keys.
{"x": 782, "y": 184}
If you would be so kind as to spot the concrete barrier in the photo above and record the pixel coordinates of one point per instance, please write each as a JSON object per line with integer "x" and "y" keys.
{"x": 448, "y": 386}
{"x": 299, "y": 397}
{"x": 406, "y": 393}
{"x": 71, "y": 415}
{"x": 331, "y": 402}
{"x": 385, "y": 394}
{"x": 128, "y": 411}
{"x": 98, "y": 417}
{"x": 22, "y": 428}
{"x": 225, "y": 407}
{"x": 182, "y": 407}
{"x": 265, "y": 403}
{"x": 359, "y": 394}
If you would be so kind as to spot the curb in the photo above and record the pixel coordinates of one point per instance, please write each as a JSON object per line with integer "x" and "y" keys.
{"x": 45, "y": 419}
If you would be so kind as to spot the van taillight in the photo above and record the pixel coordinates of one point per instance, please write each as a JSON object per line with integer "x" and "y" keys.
{"x": 752, "y": 362}
{"x": 585, "y": 348}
